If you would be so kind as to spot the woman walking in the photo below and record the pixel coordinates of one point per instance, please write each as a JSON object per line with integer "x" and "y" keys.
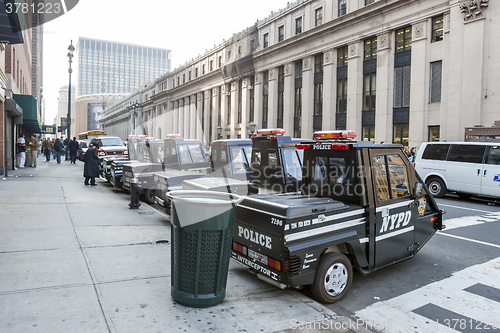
{"x": 57, "y": 149}
{"x": 91, "y": 167}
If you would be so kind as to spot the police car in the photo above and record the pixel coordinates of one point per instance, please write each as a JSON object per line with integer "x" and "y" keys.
{"x": 360, "y": 205}
{"x": 276, "y": 163}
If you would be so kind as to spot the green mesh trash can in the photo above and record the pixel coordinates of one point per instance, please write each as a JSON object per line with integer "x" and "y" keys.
{"x": 201, "y": 245}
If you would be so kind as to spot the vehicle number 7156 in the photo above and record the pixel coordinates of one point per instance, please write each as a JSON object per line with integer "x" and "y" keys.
{"x": 276, "y": 221}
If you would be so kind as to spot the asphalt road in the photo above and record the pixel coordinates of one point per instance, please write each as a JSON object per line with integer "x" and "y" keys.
{"x": 451, "y": 285}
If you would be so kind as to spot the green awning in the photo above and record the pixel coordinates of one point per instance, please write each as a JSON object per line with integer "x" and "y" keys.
{"x": 31, "y": 121}
{"x": 48, "y": 129}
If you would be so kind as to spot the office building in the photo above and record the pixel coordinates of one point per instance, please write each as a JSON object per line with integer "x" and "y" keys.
{"x": 106, "y": 67}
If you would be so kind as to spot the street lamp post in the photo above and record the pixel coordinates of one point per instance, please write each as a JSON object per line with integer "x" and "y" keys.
{"x": 71, "y": 49}
{"x": 136, "y": 104}
{"x": 219, "y": 132}
{"x": 252, "y": 129}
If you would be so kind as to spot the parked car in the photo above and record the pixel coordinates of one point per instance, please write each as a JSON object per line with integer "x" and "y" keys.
{"x": 109, "y": 145}
{"x": 83, "y": 145}
{"x": 467, "y": 168}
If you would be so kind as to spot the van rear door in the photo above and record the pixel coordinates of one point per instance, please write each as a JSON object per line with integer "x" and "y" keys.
{"x": 490, "y": 180}
{"x": 465, "y": 167}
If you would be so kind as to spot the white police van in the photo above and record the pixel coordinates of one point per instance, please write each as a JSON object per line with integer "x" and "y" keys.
{"x": 467, "y": 168}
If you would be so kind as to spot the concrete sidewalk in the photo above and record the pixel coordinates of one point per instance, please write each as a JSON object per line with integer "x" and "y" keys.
{"x": 75, "y": 258}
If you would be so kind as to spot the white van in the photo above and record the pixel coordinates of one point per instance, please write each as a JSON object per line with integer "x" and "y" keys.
{"x": 468, "y": 168}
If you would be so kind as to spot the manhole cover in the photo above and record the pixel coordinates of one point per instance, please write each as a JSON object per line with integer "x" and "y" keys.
{"x": 145, "y": 213}
{"x": 162, "y": 241}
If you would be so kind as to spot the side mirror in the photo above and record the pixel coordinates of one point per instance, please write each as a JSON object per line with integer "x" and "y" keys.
{"x": 418, "y": 191}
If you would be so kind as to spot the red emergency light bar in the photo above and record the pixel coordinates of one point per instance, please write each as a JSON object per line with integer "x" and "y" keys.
{"x": 271, "y": 131}
{"x": 172, "y": 136}
{"x": 322, "y": 135}
{"x": 333, "y": 147}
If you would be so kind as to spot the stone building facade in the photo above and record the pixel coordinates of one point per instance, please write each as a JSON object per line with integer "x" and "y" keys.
{"x": 404, "y": 71}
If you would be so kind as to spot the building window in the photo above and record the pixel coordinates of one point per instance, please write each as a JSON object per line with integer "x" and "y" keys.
{"x": 318, "y": 63}
{"x": 403, "y": 39}
{"x": 228, "y": 97}
{"x": 401, "y": 133}
{"x": 240, "y": 97}
{"x": 370, "y": 48}
{"x": 433, "y": 134}
{"x": 220, "y": 61}
{"x": 367, "y": 2}
{"x": 281, "y": 94}
{"x": 435, "y": 86}
{"x": 341, "y": 95}
{"x": 298, "y": 25}
{"x": 203, "y": 112}
{"x": 437, "y": 28}
{"x": 196, "y": 72}
{"x": 369, "y": 91}
{"x": 318, "y": 16}
{"x": 318, "y": 99}
{"x": 368, "y": 133}
{"x": 219, "y": 106}
{"x": 266, "y": 40}
{"x": 342, "y": 7}
{"x": 298, "y": 99}
{"x": 265, "y": 96}
{"x": 189, "y": 76}
{"x": 203, "y": 69}
{"x": 183, "y": 78}
{"x": 211, "y": 115}
{"x": 342, "y": 57}
{"x": 211, "y": 65}
{"x": 281, "y": 33}
{"x": 252, "y": 100}
{"x": 402, "y": 82}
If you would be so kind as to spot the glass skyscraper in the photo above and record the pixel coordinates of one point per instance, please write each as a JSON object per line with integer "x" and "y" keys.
{"x": 111, "y": 67}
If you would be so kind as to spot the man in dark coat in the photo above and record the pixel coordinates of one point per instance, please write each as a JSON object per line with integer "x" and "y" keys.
{"x": 73, "y": 149}
{"x": 91, "y": 167}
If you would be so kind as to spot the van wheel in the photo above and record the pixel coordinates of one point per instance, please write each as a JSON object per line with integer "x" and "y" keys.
{"x": 333, "y": 278}
{"x": 149, "y": 196}
{"x": 436, "y": 187}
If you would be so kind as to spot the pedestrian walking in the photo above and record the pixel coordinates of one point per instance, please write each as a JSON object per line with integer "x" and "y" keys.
{"x": 58, "y": 148}
{"x": 33, "y": 144}
{"x": 412, "y": 154}
{"x": 53, "y": 150}
{"x": 73, "y": 149}
{"x": 91, "y": 166}
{"x": 47, "y": 148}
{"x": 21, "y": 151}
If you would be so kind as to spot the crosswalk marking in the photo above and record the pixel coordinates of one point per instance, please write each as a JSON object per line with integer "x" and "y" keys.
{"x": 449, "y": 294}
{"x": 453, "y": 320}
{"x": 466, "y": 221}
{"x": 468, "y": 239}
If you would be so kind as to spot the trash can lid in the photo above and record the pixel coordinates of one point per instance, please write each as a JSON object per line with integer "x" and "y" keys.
{"x": 196, "y": 206}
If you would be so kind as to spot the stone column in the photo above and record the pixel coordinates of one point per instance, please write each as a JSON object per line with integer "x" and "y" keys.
{"x": 234, "y": 110}
{"x": 385, "y": 74}
{"x": 245, "y": 106}
{"x": 289, "y": 100}
{"x": 307, "y": 97}
{"x": 419, "y": 73}
{"x": 272, "y": 108}
{"x": 329, "y": 93}
{"x": 258, "y": 101}
{"x": 354, "y": 88}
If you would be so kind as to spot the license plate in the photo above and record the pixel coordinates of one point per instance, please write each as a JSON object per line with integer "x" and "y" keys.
{"x": 257, "y": 256}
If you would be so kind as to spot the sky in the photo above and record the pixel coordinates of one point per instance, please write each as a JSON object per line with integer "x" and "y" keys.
{"x": 187, "y": 28}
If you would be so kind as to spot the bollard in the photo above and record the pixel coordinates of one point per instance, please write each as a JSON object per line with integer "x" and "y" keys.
{"x": 134, "y": 194}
